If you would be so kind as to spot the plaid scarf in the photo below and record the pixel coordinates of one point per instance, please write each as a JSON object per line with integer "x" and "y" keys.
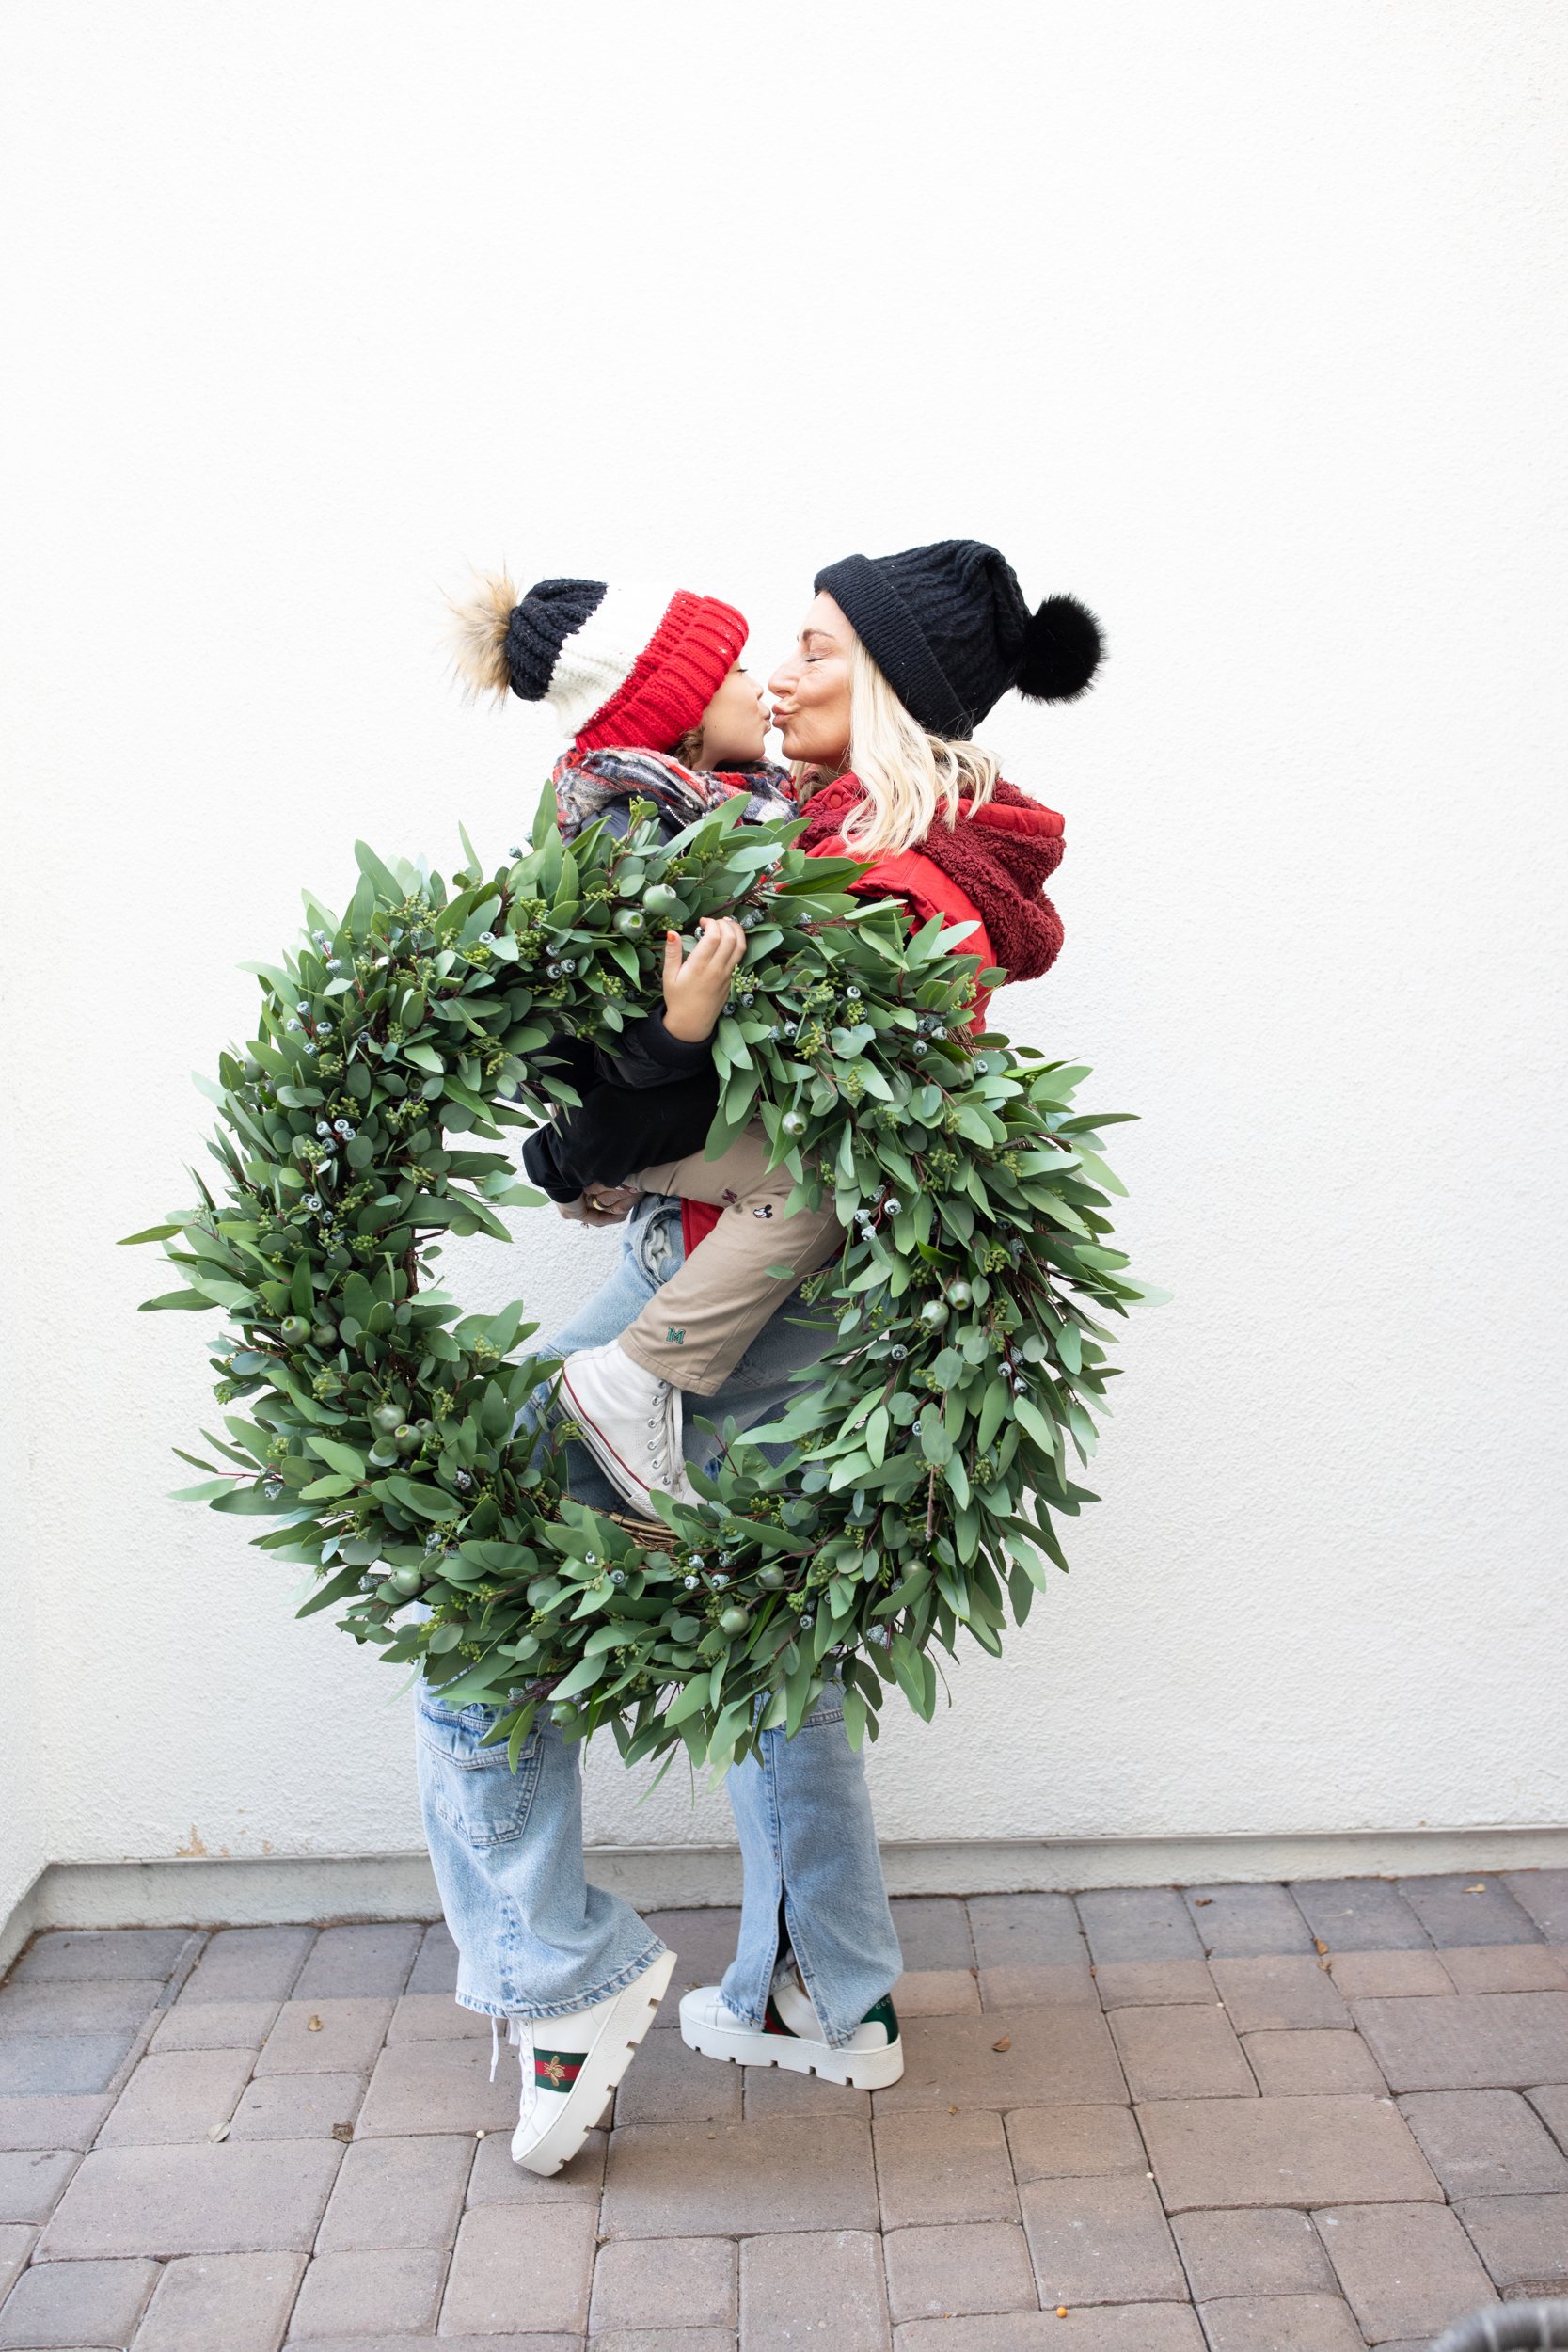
{"x": 588, "y": 783}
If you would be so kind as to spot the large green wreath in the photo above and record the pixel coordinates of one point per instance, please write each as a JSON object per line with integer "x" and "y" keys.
{"x": 379, "y": 1429}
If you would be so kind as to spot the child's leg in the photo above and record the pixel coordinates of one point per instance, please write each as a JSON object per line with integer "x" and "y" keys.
{"x": 704, "y": 1319}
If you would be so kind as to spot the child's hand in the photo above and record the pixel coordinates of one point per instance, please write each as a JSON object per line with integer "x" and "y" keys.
{"x": 697, "y": 986}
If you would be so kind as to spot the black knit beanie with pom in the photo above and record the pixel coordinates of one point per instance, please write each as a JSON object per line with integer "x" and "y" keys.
{"x": 949, "y": 629}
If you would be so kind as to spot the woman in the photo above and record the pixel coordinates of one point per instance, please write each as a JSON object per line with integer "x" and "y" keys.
{"x": 896, "y": 657}
{"x": 898, "y": 660}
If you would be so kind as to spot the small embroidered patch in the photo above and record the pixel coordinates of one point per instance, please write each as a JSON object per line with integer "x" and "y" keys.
{"x": 766, "y": 1209}
{"x": 729, "y": 1197}
{"x": 677, "y": 1336}
{"x": 557, "y": 2070}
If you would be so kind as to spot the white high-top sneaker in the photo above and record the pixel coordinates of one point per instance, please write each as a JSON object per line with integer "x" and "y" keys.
{"x": 571, "y": 2065}
{"x": 631, "y": 1425}
{"x": 791, "y": 2038}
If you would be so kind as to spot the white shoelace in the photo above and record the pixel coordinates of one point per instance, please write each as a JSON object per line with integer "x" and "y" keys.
{"x": 661, "y": 1435}
{"x": 513, "y": 2036}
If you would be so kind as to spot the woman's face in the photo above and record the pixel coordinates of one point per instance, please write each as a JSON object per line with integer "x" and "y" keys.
{"x": 735, "y": 722}
{"x": 811, "y": 690}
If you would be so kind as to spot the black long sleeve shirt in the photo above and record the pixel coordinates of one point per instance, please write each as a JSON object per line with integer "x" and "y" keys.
{"x": 650, "y": 1099}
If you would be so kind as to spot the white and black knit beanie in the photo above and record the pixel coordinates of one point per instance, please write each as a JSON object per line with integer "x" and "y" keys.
{"x": 635, "y": 665}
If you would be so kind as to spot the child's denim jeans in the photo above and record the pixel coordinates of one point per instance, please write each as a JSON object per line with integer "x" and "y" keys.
{"x": 534, "y": 1939}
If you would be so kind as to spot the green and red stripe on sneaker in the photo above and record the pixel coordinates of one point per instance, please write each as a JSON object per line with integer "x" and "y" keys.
{"x": 880, "y": 2013}
{"x": 557, "y": 2070}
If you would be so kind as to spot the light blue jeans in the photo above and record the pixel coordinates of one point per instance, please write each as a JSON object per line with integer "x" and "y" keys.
{"x": 533, "y": 1938}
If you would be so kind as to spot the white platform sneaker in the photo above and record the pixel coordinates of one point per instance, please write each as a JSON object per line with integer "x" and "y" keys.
{"x": 631, "y": 1425}
{"x": 791, "y": 2037}
{"x": 571, "y": 2065}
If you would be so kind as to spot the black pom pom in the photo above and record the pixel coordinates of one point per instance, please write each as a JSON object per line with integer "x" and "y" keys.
{"x": 1061, "y": 646}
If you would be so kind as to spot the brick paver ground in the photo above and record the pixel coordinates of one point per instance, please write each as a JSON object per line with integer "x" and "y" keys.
{"x": 1215, "y": 2118}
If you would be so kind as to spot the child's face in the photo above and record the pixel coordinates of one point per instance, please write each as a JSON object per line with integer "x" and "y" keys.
{"x": 735, "y": 722}
{"x": 811, "y": 690}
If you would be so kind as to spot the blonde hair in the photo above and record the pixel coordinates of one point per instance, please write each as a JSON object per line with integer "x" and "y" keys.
{"x": 907, "y": 775}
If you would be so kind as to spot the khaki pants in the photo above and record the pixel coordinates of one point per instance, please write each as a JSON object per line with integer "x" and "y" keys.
{"x": 704, "y": 1319}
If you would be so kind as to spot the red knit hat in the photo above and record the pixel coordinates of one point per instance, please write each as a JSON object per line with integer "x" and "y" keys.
{"x": 634, "y": 666}
{"x": 673, "y": 678}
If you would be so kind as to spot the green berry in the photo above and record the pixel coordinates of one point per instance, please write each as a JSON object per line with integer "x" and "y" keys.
{"x": 658, "y": 900}
{"x": 771, "y": 1579}
{"x": 631, "y": 923}
{"x": 734, "y": 1620}
{"x": 792, "y": 1123}
{"x": 958, "y": 1294}
{"x": 934, "y": 1313}
{"x": 406, "y": 1438}
{"x": 407, "y": 1579}
{"x": 324, "y": 1334}
{"x": 385, "y": 1418}
{"x": 293, "y": 1330}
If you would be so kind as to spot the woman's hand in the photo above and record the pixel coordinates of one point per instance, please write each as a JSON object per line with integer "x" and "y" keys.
{"x": 697, "y": 986}
{"x": 601, "y": 1204}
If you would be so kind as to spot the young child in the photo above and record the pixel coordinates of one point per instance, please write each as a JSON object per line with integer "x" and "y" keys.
{"x": 650, "y": 689}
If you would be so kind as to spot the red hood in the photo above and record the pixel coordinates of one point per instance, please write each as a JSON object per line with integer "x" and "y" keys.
{"x": 1001, "y": 854}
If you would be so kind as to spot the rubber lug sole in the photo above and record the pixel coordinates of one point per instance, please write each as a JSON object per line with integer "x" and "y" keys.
{"x": 603, "y": 2068}
{"x": 861, "y": 2070}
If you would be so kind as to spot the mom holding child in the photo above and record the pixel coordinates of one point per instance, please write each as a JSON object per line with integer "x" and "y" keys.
{"x": 899, "y": 659}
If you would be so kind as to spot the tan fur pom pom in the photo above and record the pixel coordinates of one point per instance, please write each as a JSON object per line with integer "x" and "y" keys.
{"x": 478, "y": 634}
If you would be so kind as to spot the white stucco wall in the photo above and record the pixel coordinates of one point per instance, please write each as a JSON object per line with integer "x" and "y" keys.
{"x": 22, "y": 1853}
{"x": 1233, "y": 320}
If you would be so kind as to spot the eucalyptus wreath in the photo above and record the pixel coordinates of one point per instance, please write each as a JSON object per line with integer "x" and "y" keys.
{"x": 925, "y": 1466}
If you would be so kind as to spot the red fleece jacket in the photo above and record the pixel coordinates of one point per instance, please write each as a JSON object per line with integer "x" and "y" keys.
{"x": 992, "y": 863}
{"x": 1000, "y": 855}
